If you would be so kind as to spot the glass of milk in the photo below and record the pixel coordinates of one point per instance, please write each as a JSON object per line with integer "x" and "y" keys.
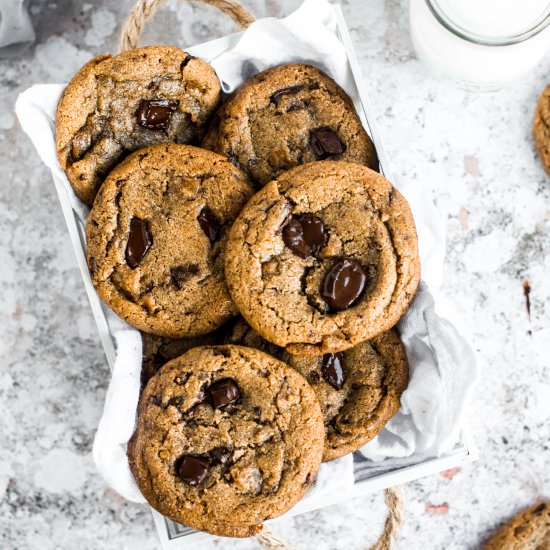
{"x": 480, "y": 44}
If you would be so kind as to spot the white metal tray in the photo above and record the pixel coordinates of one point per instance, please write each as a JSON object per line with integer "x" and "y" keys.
{"x": 174, "y": 536}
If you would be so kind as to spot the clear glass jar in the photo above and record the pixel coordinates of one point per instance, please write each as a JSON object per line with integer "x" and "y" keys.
{"x": 480, "y": 44}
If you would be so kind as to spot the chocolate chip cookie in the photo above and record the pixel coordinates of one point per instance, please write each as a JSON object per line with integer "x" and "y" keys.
{"x": 115, "y": 105}
{"x": 529, "y": 530}
{"x": 359, "y": 389}
{"x": 226, "y": 438}
{"x": 323, "y": 258}
{"x": 541, "y": 128}
{"x": 287, "y": 116}
{"x": 156, "y": 239}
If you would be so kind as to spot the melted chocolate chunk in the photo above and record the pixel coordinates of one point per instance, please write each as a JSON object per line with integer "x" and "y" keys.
{"x": 277, "y": 96}
{"x": 221, "y": 454}
{"x": 193, "y": 469}
{"x": 344, "y": 285}
{"x": 326, "y": 143}
{"x": 155, "y": 114}
{"x": 332, "y": 369}
{"x": 139, "y": 242}
{"x": 182, "y": 273}
{"x": 305, "y": 235}
{"x": 223, "y": 393}
{"x": 209, "y": 223}
{"x": 186, "y": 61}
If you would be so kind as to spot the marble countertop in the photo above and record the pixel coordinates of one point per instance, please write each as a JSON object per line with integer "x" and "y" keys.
{"x": 472, "y": 152}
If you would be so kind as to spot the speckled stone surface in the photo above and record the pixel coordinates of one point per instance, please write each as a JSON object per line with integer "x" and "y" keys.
{"x": 475, "y": 155}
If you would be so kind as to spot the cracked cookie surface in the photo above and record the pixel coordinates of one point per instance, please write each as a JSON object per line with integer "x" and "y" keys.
{"x": 287, "y": 116}
{"x": 541, "y": 128}
{"x": 359, "y": 390}
{"x": 156, "y": 239}
{"x": 323, "y": 258}
{"x": 116, "y": 105}
{"x": 529, "y": 530}
{"x": 226, "y": 438}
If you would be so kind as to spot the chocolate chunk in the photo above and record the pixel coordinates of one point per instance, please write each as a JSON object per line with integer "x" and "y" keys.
{"x": 139, "y": 242}
{"x": 314, "y": 378}
{"x": 209, "y": 223}
{"x": 344, "y": 285}
{"x": 297, "y": 106}
{"x": 186, "y": 61}
{"x": 332, "y": 369}
{"x": 277, "y": 96}
{"x": 221, "y": 454}
{"x": 180, "y": 379}
{"x": 175, "y": 401}
{"x": 325, "y": 143}
{"x": 193, "y": 469}
{"x": 155, "y": 114}
{"x": 305, "y": 235}
{"x": 182, "y": 273}
{"x": 539, "y": 509}
{"x": 223, "y": 352}
{"x": 223, "y": 393}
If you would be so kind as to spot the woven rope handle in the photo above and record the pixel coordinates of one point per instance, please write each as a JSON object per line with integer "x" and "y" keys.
{"x": 144, "y": 9}
{"x": 395, "y": 501}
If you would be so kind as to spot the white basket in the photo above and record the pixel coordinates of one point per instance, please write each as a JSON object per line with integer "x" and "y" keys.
{"x": 174, "y": 536}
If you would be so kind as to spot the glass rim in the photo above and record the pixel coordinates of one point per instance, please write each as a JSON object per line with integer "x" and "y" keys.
{"x": 476, "y": 38}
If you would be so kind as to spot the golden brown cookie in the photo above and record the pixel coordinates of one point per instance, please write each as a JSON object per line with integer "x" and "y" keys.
{"x": 115, "y": 105}
{"x": 529, "y": 530}
{"x": 359, "y": 390}
{"x": 156, "y": 239}
{"x": 226, "y": 438}
{"x": 287, "y": 116}
{"x": 323, "y": 258}
{"x": 541, "y": 128}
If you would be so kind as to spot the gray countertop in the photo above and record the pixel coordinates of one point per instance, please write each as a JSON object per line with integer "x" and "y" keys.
{"x": 472, "y": 152}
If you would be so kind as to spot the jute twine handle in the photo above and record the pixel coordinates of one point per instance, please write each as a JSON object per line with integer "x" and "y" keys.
{"x": 144, "y": 9}
{"x": 395, "y": 501}
{"x": 131, "y": 31}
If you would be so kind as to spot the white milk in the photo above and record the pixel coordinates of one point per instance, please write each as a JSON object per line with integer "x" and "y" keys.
{"x": 481, "y": 44}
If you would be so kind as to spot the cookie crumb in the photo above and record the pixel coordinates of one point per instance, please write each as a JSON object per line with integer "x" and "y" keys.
{"x": 437, "y": 509}
{"x": 449, "y": 474}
